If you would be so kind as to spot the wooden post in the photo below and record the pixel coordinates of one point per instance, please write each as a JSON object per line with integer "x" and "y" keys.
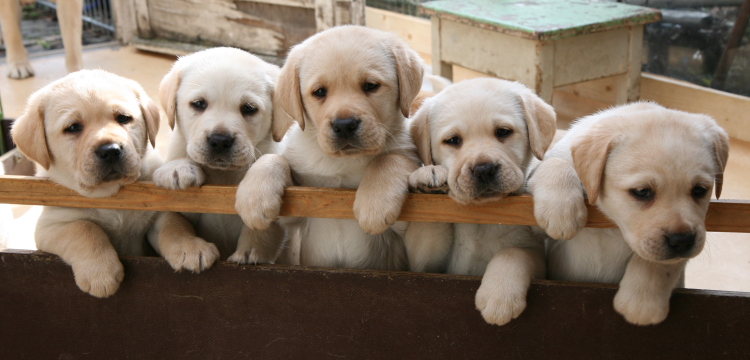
{"x": 325, "y": 15}
{"x": 143, "y": 19}
{"x": 545, "y": 70}
{"x": 439, "y": 67}
{"x": 630, "y": 87}
{"x": 126, "y": 26}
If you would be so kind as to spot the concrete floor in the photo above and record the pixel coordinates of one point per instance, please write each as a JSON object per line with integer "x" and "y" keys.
{"x": 723, "y": 265}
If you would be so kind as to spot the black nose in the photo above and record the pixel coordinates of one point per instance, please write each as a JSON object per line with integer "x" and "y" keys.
{"x": 345, "y": 128}
{"x": 485, "y": 172}
{"x": 109, "y": 153}
{"x": 220, "y": 143}
{"x": 680, "y": 243}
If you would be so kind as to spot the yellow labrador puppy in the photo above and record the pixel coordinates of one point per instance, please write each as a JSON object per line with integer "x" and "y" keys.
{"x": 90, "y": 132}
{"x": 219, "y": 101}
{"x": 649, "y": 169}
{"x": 477, "y": 139}
{"x": 349, "y": 88}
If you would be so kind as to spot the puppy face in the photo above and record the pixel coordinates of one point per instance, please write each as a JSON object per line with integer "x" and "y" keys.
{"x": 485, "y": 132}
{"x": 352, "y": 85}
{"x": 221, "y": 99}
{"x": 90, "y": 129}
{"x": 652, "y": 170}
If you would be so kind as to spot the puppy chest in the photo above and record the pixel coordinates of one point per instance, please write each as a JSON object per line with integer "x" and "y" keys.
{"x": 476, "y": 244}
{"x": 126, "y": 229}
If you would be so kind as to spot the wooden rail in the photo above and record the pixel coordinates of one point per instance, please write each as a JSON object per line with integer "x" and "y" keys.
{"x": 723, "y": 215}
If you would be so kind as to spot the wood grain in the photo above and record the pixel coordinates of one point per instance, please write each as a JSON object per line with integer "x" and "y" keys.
{"x": 294, "y": 312}
{"x": 723, "y": 215}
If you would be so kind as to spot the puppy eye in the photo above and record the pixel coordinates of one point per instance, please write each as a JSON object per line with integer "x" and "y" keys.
{"x": 73, "y": 129}
{"x": 320, "y": 93}
{"x": 503, "y": 133}
{"x": 248, "y": 110}
{"x": 699, "y": 191}
{"x": 124, "y": 119}
{"x": 199, "y": 105}
{"x": 643, "y": 194}
{"x": 370, "y": 87}
{"x": 454, "y": 141}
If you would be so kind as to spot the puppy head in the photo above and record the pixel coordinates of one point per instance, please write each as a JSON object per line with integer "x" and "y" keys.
{"x": 485, "y": 131}
{"x": 652, "y": 170}
{"x": 89, "y": 129}
{"x": 221, "y": 100}
{"x": 351, "y": 85}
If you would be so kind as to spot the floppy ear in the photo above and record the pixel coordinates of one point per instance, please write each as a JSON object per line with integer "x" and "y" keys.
{"x": 420, "y": 132}
{"x": 150, "y": 114}
{"x": 168, "y": 92}
{"x": 28, "y": 131}
{"x": 540, "y": 121}
{"x": 287, "y": 97}
{"x": 409, "y": 71}
{"x": 590, "y": 153}
{"x": 721, "y": 152}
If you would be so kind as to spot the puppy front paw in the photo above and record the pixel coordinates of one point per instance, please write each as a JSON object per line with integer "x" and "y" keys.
{"x": 20, "y": 69}
{"x": 257, "y": 208}
{"x": 561, "y": 215}
{"x": 100, "y": 276}
{"x": 250, "y": 256}
{"x": 500, "y": 305}
{"x": 375, "y": 219}
{"x": 179, "y": 175}
{"x": 641, "y": 309}
{"x": 260, "y": 193}
{"x": 430, "y": 179}
{"x": 193, "y": 254}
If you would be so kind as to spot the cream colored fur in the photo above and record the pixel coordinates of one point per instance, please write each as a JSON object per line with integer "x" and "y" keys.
{"x": 616, "y": 154}
{"x": 226, "y": 81}
{"x": 376, "y": 160}
{"x": 473, "y": 111}
{"x": 105, "y": 109}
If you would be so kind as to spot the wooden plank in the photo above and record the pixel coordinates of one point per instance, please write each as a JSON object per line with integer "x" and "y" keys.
{"x": 308, "y": 4}
{"x": 229, "y": 23}
{"x": 729, "y": 110}
{"x": 414, "y": 30}
{"x": 723, "y": 215}
{"x": 591, "y": 56}
{"x": 281, "y": 312}
{"x": 468, "y": 46}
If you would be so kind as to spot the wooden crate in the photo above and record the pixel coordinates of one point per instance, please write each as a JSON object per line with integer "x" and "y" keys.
{"x": 274, "y": 311}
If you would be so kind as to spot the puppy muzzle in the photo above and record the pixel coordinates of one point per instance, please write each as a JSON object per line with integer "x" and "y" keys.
{"x": 112, "y": 163}
{"x": 345, "y": 134}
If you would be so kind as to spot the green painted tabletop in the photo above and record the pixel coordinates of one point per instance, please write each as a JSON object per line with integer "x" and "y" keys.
{"x": 543, "y": 19}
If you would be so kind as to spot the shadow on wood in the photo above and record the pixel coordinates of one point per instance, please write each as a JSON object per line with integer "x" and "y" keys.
{"x": 284, "y": 312}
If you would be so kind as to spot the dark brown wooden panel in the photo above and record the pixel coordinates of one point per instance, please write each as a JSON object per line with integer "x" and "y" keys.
{"x": 278, "y": 312}
{"x": 723, "y": 215}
